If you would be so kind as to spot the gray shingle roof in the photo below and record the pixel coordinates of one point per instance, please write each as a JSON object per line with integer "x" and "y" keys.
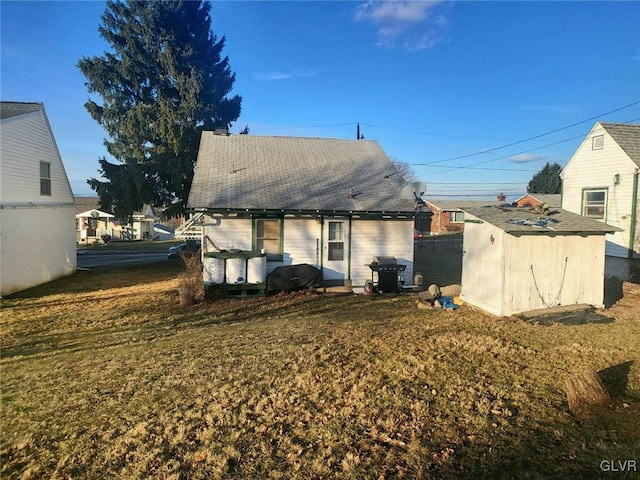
{"x": 511, "y": 220}
{"x": 12, "y": 109}
{"x": 627, "y": 135}
{"x": 294, "y": 173}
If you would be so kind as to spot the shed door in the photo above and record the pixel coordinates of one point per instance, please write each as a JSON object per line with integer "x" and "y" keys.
{"x": 335, "y": 255}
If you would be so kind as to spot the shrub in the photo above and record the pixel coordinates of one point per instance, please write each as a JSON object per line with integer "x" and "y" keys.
{"x": 190, "y": 282}
{"x": 106, "y": 238}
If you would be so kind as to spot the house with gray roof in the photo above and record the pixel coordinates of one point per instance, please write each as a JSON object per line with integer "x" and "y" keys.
{"x": 600, "y": 181}
{"x": 36, "y": 202}
{"x": 329, "y": 203}
{"x": 533, "y": 199}
{"x": 518, "y": 259}
{"x": 447, "y": 216}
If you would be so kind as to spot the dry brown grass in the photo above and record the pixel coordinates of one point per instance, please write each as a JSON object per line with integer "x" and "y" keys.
{"x": 105, "y": 375}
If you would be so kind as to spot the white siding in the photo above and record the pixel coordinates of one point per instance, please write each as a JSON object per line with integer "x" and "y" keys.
{"x": 590, "y": 168}
{"x": 227, "y": 233}
{"x": 302, "y": 242}
{"x": 483, "y": 265}
{"x": 563, "y": 270}
{"x": 37, "y": 245}
{"x": 26, "y": 140}
{"x": 37, "y": 232}
{"x": 392, "y": 238}
{"x": 505, "y": 275}
{"x": 301, "y": 238}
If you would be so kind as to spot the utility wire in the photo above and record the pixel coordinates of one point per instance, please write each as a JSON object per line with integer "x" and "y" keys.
{"x": 536, "y": 136}
{"x": 471, "y": 167}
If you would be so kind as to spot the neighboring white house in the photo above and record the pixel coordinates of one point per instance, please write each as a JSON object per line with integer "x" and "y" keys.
{"x": 37, "y": 209}
{"x": 325, "y": 202}
{"x": 515, "y": 260}
{"x": 601, "y": 181}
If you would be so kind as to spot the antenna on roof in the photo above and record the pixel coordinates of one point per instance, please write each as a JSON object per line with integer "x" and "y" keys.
{"x": 413, "y": 191}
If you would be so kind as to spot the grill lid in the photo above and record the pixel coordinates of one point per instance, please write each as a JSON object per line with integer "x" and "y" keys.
{"x": 381, "y": 260}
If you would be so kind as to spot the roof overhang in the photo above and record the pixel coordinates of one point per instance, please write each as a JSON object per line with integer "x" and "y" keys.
{"x": 254, "y": 212}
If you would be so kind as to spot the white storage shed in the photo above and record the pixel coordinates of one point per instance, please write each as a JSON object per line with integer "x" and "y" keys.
{"x": 518, "y": 259}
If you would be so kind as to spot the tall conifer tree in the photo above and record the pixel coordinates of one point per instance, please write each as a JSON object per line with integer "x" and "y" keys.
{"x": 164, "y": 82}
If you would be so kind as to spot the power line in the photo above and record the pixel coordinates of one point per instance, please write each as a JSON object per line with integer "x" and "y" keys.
{"x": 535, "y": 136}
{"x": 414, "y": 132}
{"x": 471, "y": 167}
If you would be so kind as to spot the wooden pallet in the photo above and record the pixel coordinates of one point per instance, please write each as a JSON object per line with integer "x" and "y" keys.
{"x": 240, "y": 290}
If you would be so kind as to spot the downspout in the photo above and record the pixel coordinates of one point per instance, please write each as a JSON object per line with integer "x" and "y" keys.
{"x": 349, "y": 252}
{"x": 634, "y": 209}
{"x": 322, "y": 247}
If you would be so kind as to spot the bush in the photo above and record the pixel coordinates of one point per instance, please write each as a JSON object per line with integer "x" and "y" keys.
{"x": 106, "y": 238}
{"x": 190, "y": 282}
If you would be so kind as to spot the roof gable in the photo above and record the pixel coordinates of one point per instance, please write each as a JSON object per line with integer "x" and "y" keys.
{"x": 295, "y": 173}
{"x": 626, "y": 136}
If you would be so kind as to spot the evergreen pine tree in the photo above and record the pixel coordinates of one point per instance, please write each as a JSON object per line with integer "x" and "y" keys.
{"x": 164, "y": 82}
{"x": 546, "y": 180}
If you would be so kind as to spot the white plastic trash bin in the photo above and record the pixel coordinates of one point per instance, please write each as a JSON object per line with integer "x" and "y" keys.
{"x": 236, "y": 270}
{"x": 213, "y": 270}
{"x": 257, "y": 269}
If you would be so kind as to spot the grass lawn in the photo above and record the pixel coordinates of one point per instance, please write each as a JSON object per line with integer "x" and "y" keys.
{"x": 104, "y": 375}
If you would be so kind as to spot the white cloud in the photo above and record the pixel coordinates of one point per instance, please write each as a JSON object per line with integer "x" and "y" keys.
{"x": 410, "y": 24}
{"x": 284, "y": 75}
{"x": 526, "y": 158}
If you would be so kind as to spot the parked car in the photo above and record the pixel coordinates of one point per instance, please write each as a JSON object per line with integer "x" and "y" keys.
{"x": 190, "y": 247}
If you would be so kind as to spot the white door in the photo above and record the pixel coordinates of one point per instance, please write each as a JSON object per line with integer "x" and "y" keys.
{"x": 335, "y": 255}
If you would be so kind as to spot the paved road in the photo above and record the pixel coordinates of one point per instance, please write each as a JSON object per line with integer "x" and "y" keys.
{"x": 89, "y": 260}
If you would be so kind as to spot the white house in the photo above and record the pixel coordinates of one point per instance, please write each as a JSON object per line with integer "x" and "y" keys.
{"x": 333, "y": 204}
{"x": 37, "y": 209}
{"x": 600, "y": 181}
{"x": 515, "y": 260}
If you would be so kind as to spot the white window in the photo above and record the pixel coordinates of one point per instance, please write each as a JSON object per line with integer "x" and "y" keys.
{"x": 594, "y": 203}
{"x": 597, "y": 142}
{"x": 457, "y": 217}
{"x": 45, "y": 178}
{"x": 336, "y": 241}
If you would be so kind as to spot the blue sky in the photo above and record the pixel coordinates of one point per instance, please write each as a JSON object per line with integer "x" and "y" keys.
{"x": 435, "y": 83}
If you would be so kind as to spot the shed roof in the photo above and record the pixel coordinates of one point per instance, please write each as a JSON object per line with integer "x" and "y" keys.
{"x": 526, "y": 221}
{"x": 12, "y": 109}
{"x": 627, "y": 135}
{"x": 295, "y": 174}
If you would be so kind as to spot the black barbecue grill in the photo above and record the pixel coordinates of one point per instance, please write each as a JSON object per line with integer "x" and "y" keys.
{"x": 387, "y": 269}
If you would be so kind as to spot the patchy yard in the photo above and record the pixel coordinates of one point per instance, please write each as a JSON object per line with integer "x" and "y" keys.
{"x": 104, "y": 375}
